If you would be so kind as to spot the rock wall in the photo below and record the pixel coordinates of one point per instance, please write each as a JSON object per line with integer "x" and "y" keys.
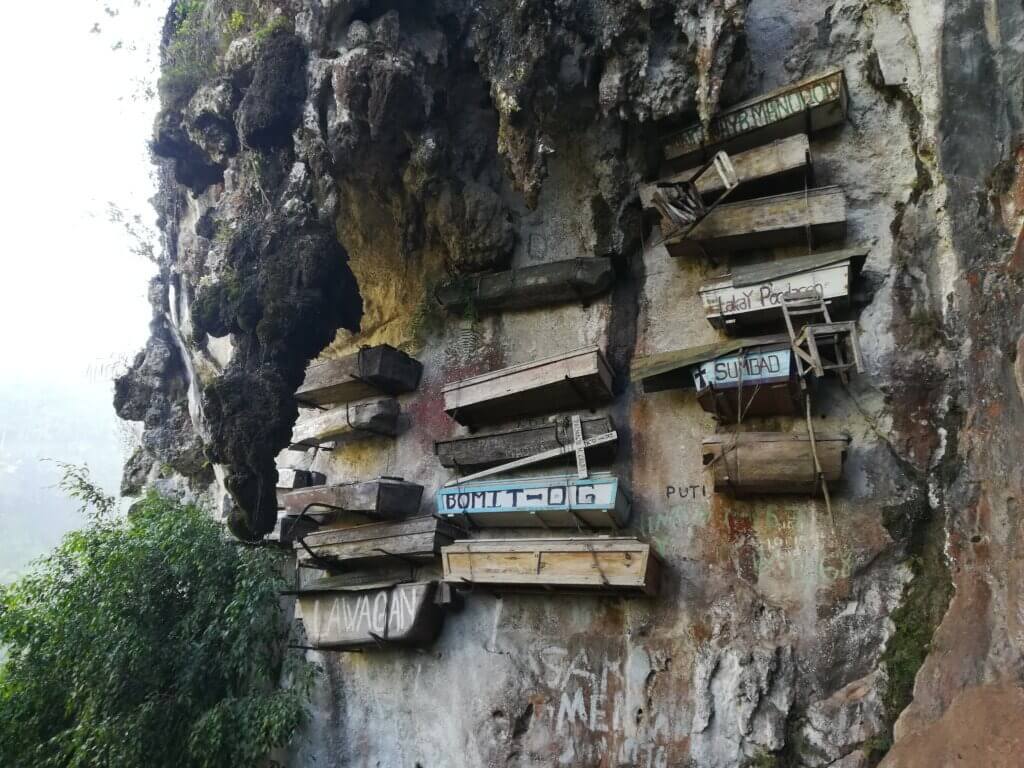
{"x": 326, "y": 163}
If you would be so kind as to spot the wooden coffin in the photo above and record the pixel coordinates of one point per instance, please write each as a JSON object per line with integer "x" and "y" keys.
{"x": 769, "y": 222}
{"x": 752, "y": 295}
{"x": 487, "y": 450}
{"x": 757, "y": 376}
{"x": 377, "y": 416}
{"x": 810, "y": 105}
{"x": 342, "y": 618}
{"x": 368, "y": 372}
{"x": 563, "y": 501}
{"x": 786, "y": 157}
{"x": 417, "y": 539}
{"x": 594, "y": 563}
{"x": 289, "y": 479}
{"x": 577, "y": 279}
{"x": 577, "y": 379}
{"x": 772, "y": 462}
{"x": 387, "y": 498}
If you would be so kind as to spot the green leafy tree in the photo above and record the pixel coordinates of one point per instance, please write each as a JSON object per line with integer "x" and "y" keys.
{"x": 147, "y": 640}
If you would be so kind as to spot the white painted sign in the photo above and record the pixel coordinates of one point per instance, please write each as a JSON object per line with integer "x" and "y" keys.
{"x": 755, "y": 366}
{"x": 334, "y": 619}
{"x": 722, "y": 299}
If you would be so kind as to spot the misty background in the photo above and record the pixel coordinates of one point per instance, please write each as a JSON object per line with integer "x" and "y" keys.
{"x": 73, "y": 278}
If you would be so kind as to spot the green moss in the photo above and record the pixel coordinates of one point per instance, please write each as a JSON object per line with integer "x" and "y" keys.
{"x": 427, "y": 319}
{"x": 763, "y": 759}
{"x": 276, "y": 23}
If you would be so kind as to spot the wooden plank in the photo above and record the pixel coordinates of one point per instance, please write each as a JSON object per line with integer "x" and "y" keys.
{"x": 812, "y": 105}
{"x": 577, "y": 379}
{"x": 370, "y": 371}
{"x": 599, "y": 564}
{"x": 768, "y": 222}
{"x": 738, "y": 301}
{"x": 578, "y": 279}
{"x": 416, "y": 539}
{"x": 761, "y": 381}
{"x": 405, "y": 614}
{"x": 538, "y": 502}
{"x": 386, "y": 498}
{"x": 786, "y": 156}
{"x": 772, "y": 462}
{"x": 467, "y": 454}
{"x": 378, "y": 416}
{"x": 289, "y": 479}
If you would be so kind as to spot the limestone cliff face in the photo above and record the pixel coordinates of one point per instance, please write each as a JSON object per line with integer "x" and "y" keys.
{"x": 326, "y": 163}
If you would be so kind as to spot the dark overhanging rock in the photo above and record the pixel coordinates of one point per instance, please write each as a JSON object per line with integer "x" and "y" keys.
{"x": 272, "y": 105}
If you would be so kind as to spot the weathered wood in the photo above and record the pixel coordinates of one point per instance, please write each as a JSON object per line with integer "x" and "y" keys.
{"x": 786, "y": 156}
{"x": 537, "y": 502}
{"x": 386, "y": 498}
{"x": 468, "y": 454}
{"x": 767, "y": 222}
{"x": 378, "y": 416}
{"x": 753, "y": 295}
{"x": 336, "y": 618}
{"x": 812, "y": 105}
{"x": 772, "y": 462}
{"x": 290, "y": 528}
{"x": 757, "y": 382}
{"x": 578, "y": 279}
{"x": 289, "y": 479}
{"x": 417, "y": 539}
{"x": 600, "y": 564}
{"x": 577, "y": 379}
{"x": 368, "y": 372}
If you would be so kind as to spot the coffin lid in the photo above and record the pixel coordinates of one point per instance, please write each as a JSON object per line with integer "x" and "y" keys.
{"x": 336, "y": 584}
{"x": 479, "y": 379}
{"x": 772, "y": 437}
{"x": 666, "y": 362}
{"x": 764, "y": 272}
{"x": 789, "y": 88}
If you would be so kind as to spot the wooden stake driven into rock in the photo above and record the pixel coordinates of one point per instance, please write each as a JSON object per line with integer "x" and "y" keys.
{"x": 579, "y": 447}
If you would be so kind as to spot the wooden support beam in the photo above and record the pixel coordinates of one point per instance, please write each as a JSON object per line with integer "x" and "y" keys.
{"x": 768, "y": 222}
{"x": 368, "y": 372}
{"x": 812, "y": 105}
{"x": 577, "y": 379}
{"x": 579, "y": 279}
{"x": 377, "y": 416}
{"x": 596, "y": 563}
{"x": 786, "y": 156}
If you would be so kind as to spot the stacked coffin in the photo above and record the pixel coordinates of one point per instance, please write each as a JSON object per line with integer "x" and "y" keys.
{"x": 584, "y": 501}
{"x": 789, "y": 301}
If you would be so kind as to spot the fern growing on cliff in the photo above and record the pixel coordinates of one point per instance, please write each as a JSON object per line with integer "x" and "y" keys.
{"x": 148, "y": 641}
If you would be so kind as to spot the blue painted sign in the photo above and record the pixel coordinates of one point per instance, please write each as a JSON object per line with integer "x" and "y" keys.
{"x": 754, "y": 366}
{"x": 558, "y": 501}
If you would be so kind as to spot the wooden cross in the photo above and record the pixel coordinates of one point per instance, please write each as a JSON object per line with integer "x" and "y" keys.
{"x": 579, "y": 447}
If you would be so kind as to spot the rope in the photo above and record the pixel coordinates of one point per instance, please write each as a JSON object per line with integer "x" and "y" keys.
{"x": 817, "y": 463}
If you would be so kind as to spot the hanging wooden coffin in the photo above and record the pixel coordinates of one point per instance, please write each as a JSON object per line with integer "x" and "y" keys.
{"x": 769, "y": 222}
{"x": 812, "y": 105}
{"x": 577, "y": 279}
{"x": 786, "y": 157}
{"x": 577, "y": 379}
{"x": 290, "y": 479}
{"x": 387, "y": 498}
{"x": 402, "y": 614}
{"x": 752, "y": 295}
{"x": 487, "y": 450}
{"x": 418, "y": 539}
{"x": 543, "y": 502}
{"x": 368, "y": 372}
{"x": 772, "y": 462}
{"x": 378, "y": 416}
{"x": 595, "y": 563}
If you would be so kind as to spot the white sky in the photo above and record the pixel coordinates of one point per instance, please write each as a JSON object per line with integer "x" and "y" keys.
{"x": 72, "y": 295}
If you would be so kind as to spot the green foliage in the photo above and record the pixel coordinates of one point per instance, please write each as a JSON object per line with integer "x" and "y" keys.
{"x": 190, "y": 54}
{"x": 236, "y": 24}
{"x": 147, "y": 641}
{"x": 763, "y": 759}
{"x": 276, "y": 23}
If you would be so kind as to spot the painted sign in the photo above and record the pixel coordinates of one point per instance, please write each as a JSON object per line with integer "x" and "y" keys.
{"x": 755, "y": 366}
{"x": 762, "y": 113}
{"x": 547, "y": 501}
{"x": 722, "y": 299}
{"x": 403, "y": 614}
